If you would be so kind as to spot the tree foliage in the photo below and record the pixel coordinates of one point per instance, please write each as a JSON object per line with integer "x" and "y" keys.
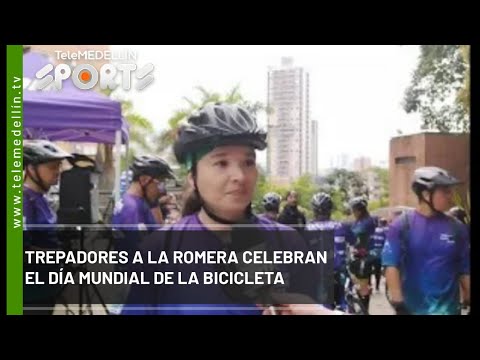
{"x": 439, "y": 89}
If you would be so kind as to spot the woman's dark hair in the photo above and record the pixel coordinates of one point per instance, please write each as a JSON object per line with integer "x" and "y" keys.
{"x": 191, "y": 203}
{"x": 289, "y": 192}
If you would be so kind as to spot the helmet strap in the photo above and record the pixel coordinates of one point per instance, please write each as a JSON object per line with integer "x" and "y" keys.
{"x": 37, "y": 178}
{"x": 429, "y": 202}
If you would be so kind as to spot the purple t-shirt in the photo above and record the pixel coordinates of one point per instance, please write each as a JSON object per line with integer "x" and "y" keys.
{"x": 340, "y": 238}
{"x": 213, "y": 299}
{"x": 378, "y": 241}
{"x": 362, "y": 231}
{"x": 37, "y": 211}
{"x": 133, "y": 210}
{"x": 266, "y": 216}
{"x": 431, "y": 257}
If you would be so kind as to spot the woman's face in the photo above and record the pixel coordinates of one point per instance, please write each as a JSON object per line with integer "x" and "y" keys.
{"x": 292, "y": 198}
{"x": 226, "y": 179}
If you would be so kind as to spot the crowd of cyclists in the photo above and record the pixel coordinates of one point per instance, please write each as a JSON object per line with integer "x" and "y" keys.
{"x": 424, "y": 254}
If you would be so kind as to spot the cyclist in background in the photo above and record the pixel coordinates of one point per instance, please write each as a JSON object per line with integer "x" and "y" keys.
{"x": 376, "y": 247}
{"x": 360, "y": 263}
{"x": 322, "y": 206}
{"x": 42, "y": 164}
{"x": 291, "y": 215}
{"x": 427, "y": 253}
{"x": 271, "y": 204}
{"x": 139, "y": 205}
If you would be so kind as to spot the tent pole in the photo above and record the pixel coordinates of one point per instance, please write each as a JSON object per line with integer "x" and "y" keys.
{"x": 118, "y": 144}
{"x": 127, "y": 167}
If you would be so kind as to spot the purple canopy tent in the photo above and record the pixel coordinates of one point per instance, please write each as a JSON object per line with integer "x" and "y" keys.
{"x": 71, "y": 114}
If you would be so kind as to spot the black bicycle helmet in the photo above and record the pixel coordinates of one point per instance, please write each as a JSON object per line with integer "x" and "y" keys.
{"x": 359, "y": 203}
{"x": 42, "y": 151}
{"x": 215, "y": 125}
{"x": 152, "y": 166}
{"x": 271, "y": 201}
{"x": 322, "y": 202}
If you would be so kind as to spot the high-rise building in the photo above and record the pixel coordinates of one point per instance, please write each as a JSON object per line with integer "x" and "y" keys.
{"x": 290, "y": 150}
{"x": 362, "y": 163}
{"x": 340, "y": 161}
{"x": 314, "y": 148}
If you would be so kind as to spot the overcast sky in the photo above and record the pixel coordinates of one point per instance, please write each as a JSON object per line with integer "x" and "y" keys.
{"x": 355, "y": 91}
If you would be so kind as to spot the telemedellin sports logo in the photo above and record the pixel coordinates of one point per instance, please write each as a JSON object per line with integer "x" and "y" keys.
{"x": 86, "y": 76}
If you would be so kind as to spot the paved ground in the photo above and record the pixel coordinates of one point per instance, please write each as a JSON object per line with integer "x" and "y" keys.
{"x": 378, "y": 302}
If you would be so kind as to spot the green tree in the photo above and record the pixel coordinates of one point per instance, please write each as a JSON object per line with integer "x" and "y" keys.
{"x": 349, "y": 183}
{"x": 436, "y": 88}
{"x": 338, "y": 205}
{"x": 140, "y": 130}
{"x": 141, "y": 133}
{"x": 140, "y": 126}
{"x": 342, "y": 185}
{"x": 306, "y": 188}
{"x": 263, "y": 187}
{"x": 464, "y": 93}
{"x": 382, "y": 177}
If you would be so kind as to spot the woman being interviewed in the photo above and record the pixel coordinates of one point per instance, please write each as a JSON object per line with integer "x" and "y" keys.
{"x": 218, "y": 147}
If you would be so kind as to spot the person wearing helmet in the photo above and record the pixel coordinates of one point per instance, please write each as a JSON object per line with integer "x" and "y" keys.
{"x": 290, "y": 214}
{"x": 139, "y": 205}
{"x": 271, "y": 204}
{"x": 359, "y": 261}
{"x": 427, "y": 253}
{"x": 139, "y": 208}
{"x": 363, "y": 225}
{"x": 322, "y": 206}
{"x": 376, "y": 247}
{"x": 217, "y": 146}
{"x": 42, "y": 165}
{"x": 125, "y": 181}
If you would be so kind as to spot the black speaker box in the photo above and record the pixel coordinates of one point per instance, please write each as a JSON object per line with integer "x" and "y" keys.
{"x": 75, "y": 196}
